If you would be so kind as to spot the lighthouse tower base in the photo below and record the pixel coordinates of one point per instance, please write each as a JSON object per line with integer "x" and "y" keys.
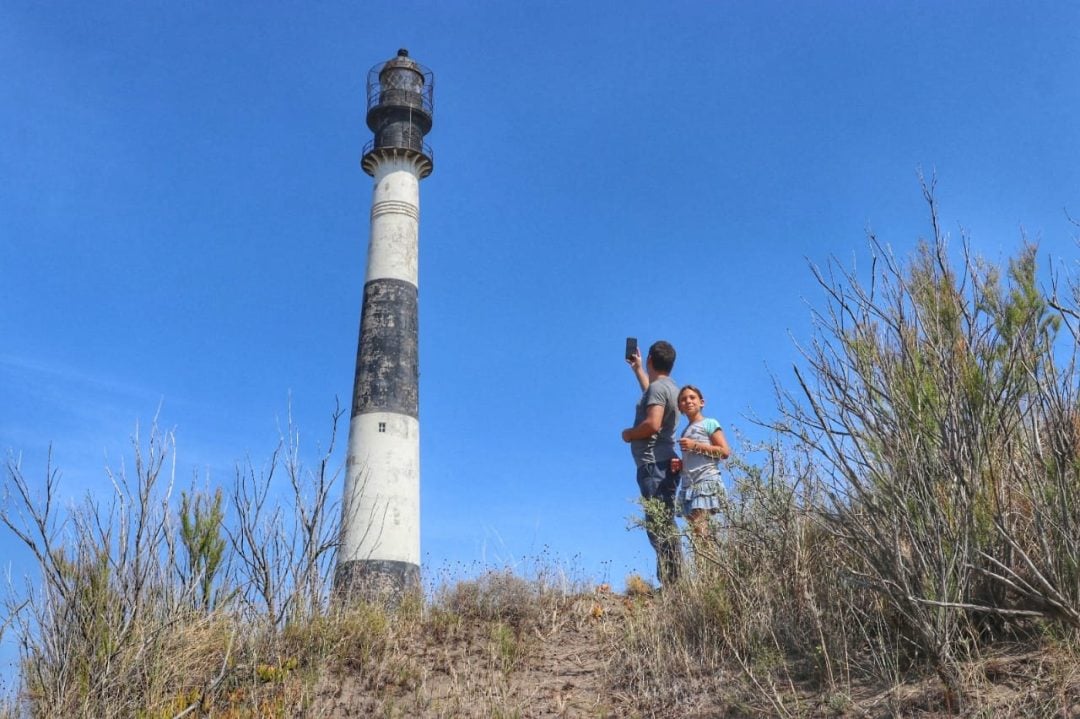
{"x": 376, "y": 581}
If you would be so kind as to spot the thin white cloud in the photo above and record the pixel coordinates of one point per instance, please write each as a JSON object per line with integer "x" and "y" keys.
{"x": 83, "y": 415}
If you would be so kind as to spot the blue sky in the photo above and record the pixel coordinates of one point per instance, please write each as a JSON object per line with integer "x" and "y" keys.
{"x": 183, "y": 222}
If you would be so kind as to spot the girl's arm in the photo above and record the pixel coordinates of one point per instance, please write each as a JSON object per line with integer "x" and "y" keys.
{"x": 717, "y": 446}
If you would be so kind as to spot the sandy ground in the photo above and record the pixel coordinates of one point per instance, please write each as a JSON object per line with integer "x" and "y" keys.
{"x": 563, "y": 669}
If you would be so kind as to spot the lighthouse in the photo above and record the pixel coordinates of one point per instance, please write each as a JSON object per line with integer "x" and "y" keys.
{"x": 379, "y": 553}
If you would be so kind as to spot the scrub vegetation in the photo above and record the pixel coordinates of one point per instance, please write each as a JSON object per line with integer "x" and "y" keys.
{"x": 905, "y": 543}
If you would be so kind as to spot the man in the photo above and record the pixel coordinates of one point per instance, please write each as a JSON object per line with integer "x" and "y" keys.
{"x": 652, "y": 444}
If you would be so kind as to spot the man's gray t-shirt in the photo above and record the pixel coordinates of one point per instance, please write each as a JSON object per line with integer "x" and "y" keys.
{"x": 660, "y": 448}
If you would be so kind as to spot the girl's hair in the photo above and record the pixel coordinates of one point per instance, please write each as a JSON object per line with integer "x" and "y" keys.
{"x": 693, "y": 389}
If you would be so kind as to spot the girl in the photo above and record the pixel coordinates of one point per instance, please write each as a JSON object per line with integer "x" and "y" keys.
{"x": 702, "y": 444}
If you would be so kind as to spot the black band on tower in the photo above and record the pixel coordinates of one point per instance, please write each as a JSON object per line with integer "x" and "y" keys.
{"x": 387, "y": 364}
{"x": 376, "y": 580}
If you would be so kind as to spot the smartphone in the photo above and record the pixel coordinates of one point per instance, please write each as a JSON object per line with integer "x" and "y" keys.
{"x": 631, "y": 347}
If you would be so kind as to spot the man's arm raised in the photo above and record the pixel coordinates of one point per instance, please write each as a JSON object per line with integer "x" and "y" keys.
{"x": 639, "y": 371}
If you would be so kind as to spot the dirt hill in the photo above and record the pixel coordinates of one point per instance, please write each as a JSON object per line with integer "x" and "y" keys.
{"x": 540, "y": 666}
{"x": 572, "y": 662}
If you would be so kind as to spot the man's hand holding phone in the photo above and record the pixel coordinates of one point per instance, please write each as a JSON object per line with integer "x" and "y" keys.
{"x": 633, "y": 354}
